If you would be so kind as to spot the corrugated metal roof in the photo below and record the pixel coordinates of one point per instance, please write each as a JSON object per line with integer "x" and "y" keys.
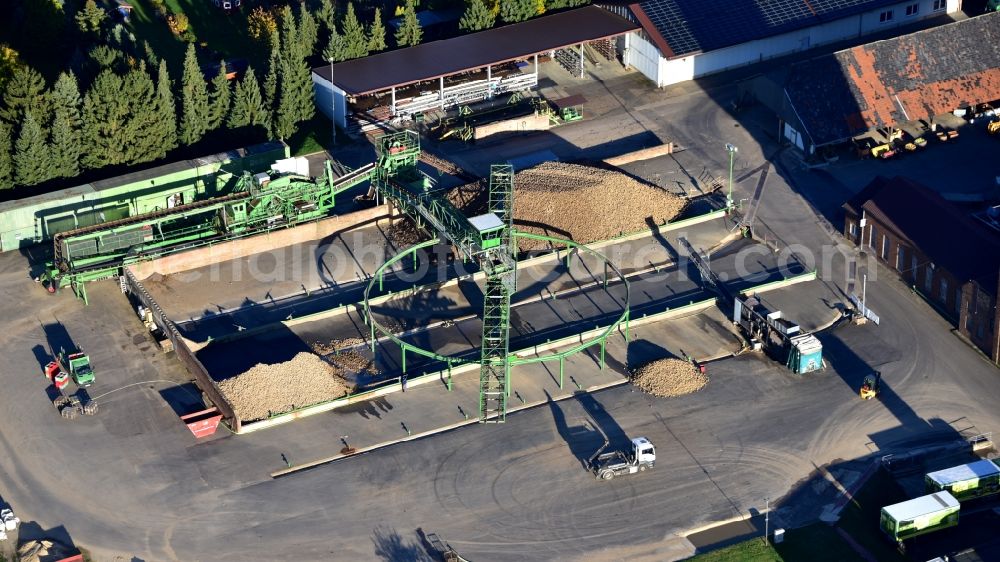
{"x": 697, "y": 26}
{"x": 429, "y": 61}
{"x": 924, "y": 505}
{"x": 978, "y": 469}
{"x": 905, "y": 78}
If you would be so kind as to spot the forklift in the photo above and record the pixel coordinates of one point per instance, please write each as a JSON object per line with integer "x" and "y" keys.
{"x": 872, "y": 386}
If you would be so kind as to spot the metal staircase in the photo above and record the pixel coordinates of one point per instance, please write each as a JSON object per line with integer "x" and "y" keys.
{"x": 399, "y": 180}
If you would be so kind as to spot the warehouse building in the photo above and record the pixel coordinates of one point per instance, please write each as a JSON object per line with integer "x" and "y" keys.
{"x": 887, "y": 84}
{"x": 685, "y": 39}
{"x": 949, "y": 257}
{"x": 438, "y": 75}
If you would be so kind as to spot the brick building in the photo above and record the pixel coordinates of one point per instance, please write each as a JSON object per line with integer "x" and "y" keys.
{"x": 941, "y": 251}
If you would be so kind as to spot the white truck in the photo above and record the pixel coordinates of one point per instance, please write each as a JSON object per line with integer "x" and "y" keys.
{"x": 607, "y": 465}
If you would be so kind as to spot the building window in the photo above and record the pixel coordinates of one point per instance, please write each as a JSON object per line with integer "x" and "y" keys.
{"x": 852, "y": 230}
{"x": 940, "y": 5}
{"x": 885, "y": 16}
{"x": 899, "y": 259}
{"x": 913, "y": 9}
{"x": 872, "y": 236}
{"x": 913, "y": 267}
{"x": 958, "y": 300}
{"x": 885, "y": 247}
{"x": 944, "y": 290}
{"x": 929, "y": 278}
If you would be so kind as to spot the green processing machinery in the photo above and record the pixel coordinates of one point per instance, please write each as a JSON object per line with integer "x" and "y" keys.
{"x": 259, "y": 203}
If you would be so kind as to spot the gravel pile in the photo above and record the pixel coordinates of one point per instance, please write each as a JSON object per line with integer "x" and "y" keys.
{"x": 586, "y": 204}
{"x": 669, "y": 377}
{"x": 582, "y": 203}
{"x": 404, "y": 232}
{"x": 266, "y": 390}
{"x": 321, "y": 348}
{"x": 355, "y": 362}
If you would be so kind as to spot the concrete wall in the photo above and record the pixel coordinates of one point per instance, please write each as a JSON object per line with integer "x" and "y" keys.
{"x": 242, "y": 247}
{"x": 697, "y": 65}
{"x": 534, "y": 122}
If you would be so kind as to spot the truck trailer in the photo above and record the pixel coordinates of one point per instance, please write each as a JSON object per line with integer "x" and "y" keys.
{"x": 967, "y": 481}
{"x": 919, "y": 516}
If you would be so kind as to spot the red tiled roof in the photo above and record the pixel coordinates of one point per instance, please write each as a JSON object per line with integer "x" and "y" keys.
{"x": 906, "y": 78}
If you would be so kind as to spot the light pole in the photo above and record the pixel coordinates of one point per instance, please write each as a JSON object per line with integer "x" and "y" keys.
{"x": 767, "y": 518}
{"x": 731, "y": 148}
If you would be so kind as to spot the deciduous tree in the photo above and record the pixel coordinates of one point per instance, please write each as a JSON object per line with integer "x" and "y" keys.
{"x": 513, "y": 11}
{"x": 90, "y": 18}
{"x": 477, "y": 17}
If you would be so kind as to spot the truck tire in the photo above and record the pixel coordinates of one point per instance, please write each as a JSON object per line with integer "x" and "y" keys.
{"x": 607, "y": 475}
{"x": 642, "y": 468}
{"x": 70, "y": 412}
{"x": 90, "y": 409}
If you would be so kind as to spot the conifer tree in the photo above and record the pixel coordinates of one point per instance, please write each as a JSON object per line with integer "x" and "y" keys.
{"x": 105, "y": 121}
{"x": 409, "y": 32}
{"x": 141, "y": 134}
{"x": 66, "y": 144}
{"x": 376, "y": 34}
{"x": 166, "y": 111}
{"x": 335, "y": 47}
{"x": 220, "y": 98}
{"x": 25, "y": 92}
{"x": 269, "y": 91}
{"x": 355, "y": 42}
{"x": 248, "y": 106}
{"x": 308, "y": 32}
{"x": 194, "y": 101}
{"x": 31, "y": 154}
{"x": 477, "y": 17}
{"x": 6, "y": 159}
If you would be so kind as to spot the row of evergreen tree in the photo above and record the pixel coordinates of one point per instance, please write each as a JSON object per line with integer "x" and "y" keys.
{"x": 126, "y": 117}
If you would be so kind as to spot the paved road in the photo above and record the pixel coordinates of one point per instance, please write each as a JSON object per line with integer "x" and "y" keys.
{"x": 132, "y": 482}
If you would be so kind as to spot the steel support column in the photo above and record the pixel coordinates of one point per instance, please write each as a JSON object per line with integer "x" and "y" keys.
{"x": 581, "y": 60}
{"x": 489, "y": 81}
{"x": 441, "y": 90}
{"x": 393, "y": 106}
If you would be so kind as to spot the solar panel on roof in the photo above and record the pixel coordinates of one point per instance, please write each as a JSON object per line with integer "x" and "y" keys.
{"x": 690, "y": 26}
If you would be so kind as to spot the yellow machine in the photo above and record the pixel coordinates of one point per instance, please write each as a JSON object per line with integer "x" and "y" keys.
{"x": 871, "y": 386}
{"x": 993, "y": 127}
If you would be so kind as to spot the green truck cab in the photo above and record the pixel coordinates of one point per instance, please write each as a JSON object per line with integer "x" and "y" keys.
{"x": 77, "y": 364}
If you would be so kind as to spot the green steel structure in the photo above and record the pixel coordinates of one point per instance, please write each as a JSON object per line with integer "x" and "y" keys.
{"x": 36, "y": 219}
{"x": 484, "y": 239}
{"x": 490, "y": 241}
{"x": 259, "y": 203}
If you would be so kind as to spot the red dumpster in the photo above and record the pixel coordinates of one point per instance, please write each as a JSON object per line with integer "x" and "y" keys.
{"x": 203, "y": 423}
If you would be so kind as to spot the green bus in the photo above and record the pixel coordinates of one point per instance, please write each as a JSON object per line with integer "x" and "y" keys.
{"x": 919, "y": 516}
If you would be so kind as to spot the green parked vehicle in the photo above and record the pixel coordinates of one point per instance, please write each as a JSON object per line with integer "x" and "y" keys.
{"x": 966, "y": 481}
{"x": 77, "y": 364}
{"x": 919, "y": 516}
